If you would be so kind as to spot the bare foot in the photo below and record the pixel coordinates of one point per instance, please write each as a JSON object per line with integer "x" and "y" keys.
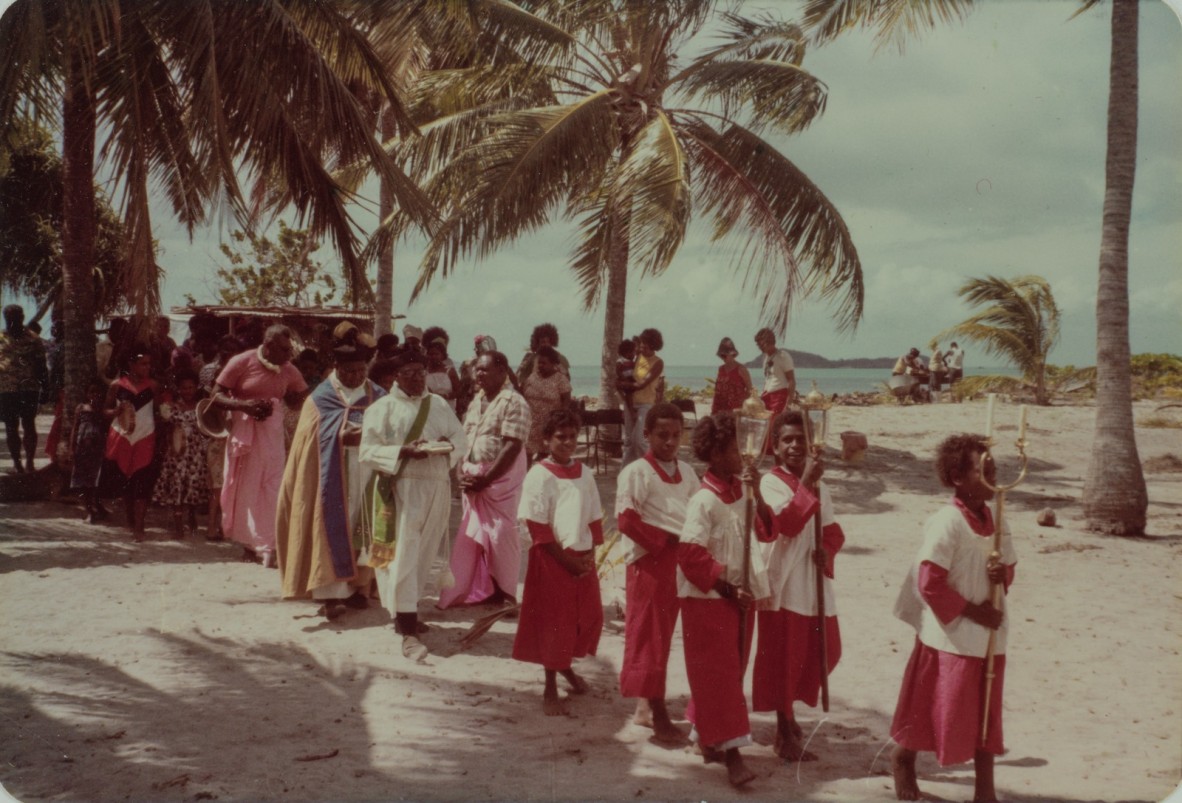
{"x": 668, "y": 733}
{"x": 552, "y": 706}
{"x": 788, "y": 747}
{"x": 903, "y": 768}
{"x": 577, "y": 684}
{"x": 736, "y": 771}
{"x": 710, "y": 755}
{"x": 644, "y": 714}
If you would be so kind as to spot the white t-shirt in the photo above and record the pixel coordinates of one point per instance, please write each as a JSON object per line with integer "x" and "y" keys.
{"x": 791, "y": 573}
{"x": 567, "y": 505}
{"x": 775, "y": 370}
{"x": 659, "y": 503}
{"x": 949, "y": 542}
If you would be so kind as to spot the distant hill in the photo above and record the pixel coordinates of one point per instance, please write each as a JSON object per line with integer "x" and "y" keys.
{"x": 805, "y": 359}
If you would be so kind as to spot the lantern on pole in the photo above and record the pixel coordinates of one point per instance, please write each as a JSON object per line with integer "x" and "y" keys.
{"x": 816, "y": 412}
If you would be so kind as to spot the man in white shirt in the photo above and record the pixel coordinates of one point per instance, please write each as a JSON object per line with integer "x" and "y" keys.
{"x": 954, "y": 360}
{"x": 779, "y": 374}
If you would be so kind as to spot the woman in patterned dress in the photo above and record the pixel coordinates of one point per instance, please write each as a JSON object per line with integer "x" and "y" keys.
{"x": 183, "y": 484}
{"x": 545, "y": 389}
{"x": 733, "y": 384}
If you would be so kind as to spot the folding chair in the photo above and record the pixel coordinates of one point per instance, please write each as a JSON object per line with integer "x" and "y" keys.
{"x": 605, "y": 442}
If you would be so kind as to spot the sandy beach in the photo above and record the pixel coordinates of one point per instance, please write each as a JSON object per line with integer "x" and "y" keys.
{"x": 170, "y": 670}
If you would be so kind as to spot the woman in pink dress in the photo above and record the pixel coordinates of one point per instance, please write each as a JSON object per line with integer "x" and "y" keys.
{"x": 251, "y": 386}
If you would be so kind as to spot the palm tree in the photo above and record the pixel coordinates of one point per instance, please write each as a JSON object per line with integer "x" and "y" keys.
{"x": 1115, "y": 499}
{"x": 1019, "y": 322}
{"x": 185, "y": 103}
{"x": 622, "y": 133}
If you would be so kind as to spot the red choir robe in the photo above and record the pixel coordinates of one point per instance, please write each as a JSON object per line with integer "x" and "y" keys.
{"x": 940, "y": 700}
{"x": 712, "y": 547}
{"x": 561, "y": 614}
{"x": 787, "y": 661}
{"x": 650, "y": 509}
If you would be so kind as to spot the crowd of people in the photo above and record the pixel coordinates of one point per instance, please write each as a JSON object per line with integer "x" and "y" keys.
{"x": 349, "y": 498}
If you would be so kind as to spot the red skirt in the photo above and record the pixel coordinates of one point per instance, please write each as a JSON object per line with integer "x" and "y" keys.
{"x": 649, "y": 620}
{"x": 715, "y": 668}
{"x": 788, "y": 659}
{"x": 939, "y": 706}
{"x": 561, "y": 615}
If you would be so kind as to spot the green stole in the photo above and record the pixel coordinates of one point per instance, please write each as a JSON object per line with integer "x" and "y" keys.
{"x": 385, "y": 518}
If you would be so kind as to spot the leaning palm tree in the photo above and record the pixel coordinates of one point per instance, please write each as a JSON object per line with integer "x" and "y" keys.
{"x": 183, "y": 104}
{"x": 1019, "y": 321}
{"x": 1115, "y": 499}
{"x": 623, "y": 132}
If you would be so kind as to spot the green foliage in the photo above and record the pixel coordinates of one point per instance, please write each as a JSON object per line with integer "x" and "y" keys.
{"x": 280, "y": 273}
{"x": 31, "y": 222}
{"x": 678, "y": 392}
{"x": 1153, "y": 373}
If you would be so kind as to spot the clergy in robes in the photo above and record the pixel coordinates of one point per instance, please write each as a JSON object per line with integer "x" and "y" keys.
{"x": 252, "y": 385}
{"x": 405, "y": 438}
{"x": 487, "y": 554}
{"x": 320, "y": 521}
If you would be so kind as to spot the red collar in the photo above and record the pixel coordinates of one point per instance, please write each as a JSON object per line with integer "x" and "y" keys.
{"x": 728, "y": 492}
{"x": 976, "y": 524}
{"x": 789, "y": 479}
{"x": 571, "y": 472}
{"x": 652, "y": 461}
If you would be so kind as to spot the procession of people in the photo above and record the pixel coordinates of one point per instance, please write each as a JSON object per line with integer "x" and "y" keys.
{"x": 351, "y": 502}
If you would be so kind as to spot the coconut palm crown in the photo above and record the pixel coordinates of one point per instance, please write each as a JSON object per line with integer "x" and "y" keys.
{"x": 622, "y": 132}
{"x": 1019, "y": 322}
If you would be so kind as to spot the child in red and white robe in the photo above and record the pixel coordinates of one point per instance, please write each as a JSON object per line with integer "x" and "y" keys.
{"x": 716, "y": 610}
{"x": 651, "y": 498}
{"x": 946, "y": 597}
{"x": 561, "y": 613}
{"x": 788, "y": 660}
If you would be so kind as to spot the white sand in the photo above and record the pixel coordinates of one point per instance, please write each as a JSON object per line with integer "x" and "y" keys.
{"x": 170, "y": 671}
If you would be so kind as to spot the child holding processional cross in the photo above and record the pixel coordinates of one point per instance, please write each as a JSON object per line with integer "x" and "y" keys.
{"x": 946, "y": 597}
{"x": 716, "y": 618}
{"x": 651, "y": 498}
{"x": 561, "y": 613}
{"x": 787, "y": 662}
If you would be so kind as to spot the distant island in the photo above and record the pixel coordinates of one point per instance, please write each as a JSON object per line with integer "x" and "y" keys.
{"x": 804, "y": 359}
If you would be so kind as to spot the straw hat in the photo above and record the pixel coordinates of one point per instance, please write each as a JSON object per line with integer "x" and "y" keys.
{"x": 211, "y": 420}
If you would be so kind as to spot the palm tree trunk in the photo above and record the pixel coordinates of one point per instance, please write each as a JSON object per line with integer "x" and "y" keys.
{"x": 78, "y": 236}
{"x": 384, "y": 300}
{"x": 1114, "y": 498}
{"x": 614, "y": 306}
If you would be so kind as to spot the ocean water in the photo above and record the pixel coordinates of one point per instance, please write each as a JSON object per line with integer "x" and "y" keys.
{"x": 585, "y": 378}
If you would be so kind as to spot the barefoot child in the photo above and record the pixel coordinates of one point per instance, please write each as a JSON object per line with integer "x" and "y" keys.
{"x": 715, "y": 608}
{"x": 651, "y": 497}
{"x": 89, "y": 441}
{"x": 561, "y": 613}
{"x": 787, "y": 662}
{"x": 946, "y": 598}
{"x": 183, "y": 483}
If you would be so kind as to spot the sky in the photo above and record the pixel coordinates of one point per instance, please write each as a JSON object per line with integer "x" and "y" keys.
{"x": 979, "y": 151}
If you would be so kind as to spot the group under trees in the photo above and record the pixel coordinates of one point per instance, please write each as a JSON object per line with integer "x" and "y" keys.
{"x": 187, "y": 103}
{"x": 1017, "y": 320}
{"x": 611, "y": 122}
{"x": 1115, "y": 500}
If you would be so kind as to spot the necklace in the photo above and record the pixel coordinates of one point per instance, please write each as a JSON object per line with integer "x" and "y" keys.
{"x": 270, "y": 366}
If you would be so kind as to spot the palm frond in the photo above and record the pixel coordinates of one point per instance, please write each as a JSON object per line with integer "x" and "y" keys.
{"x": 510, "y": 181}
{"x": 757, "y": 38}
{"x": 775, "y": 93}
{"x": 604, "y": 229}
{"x": 896, "y": 21}
{"x": 656, "y": 176}
{"x": 786, "y": 220}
